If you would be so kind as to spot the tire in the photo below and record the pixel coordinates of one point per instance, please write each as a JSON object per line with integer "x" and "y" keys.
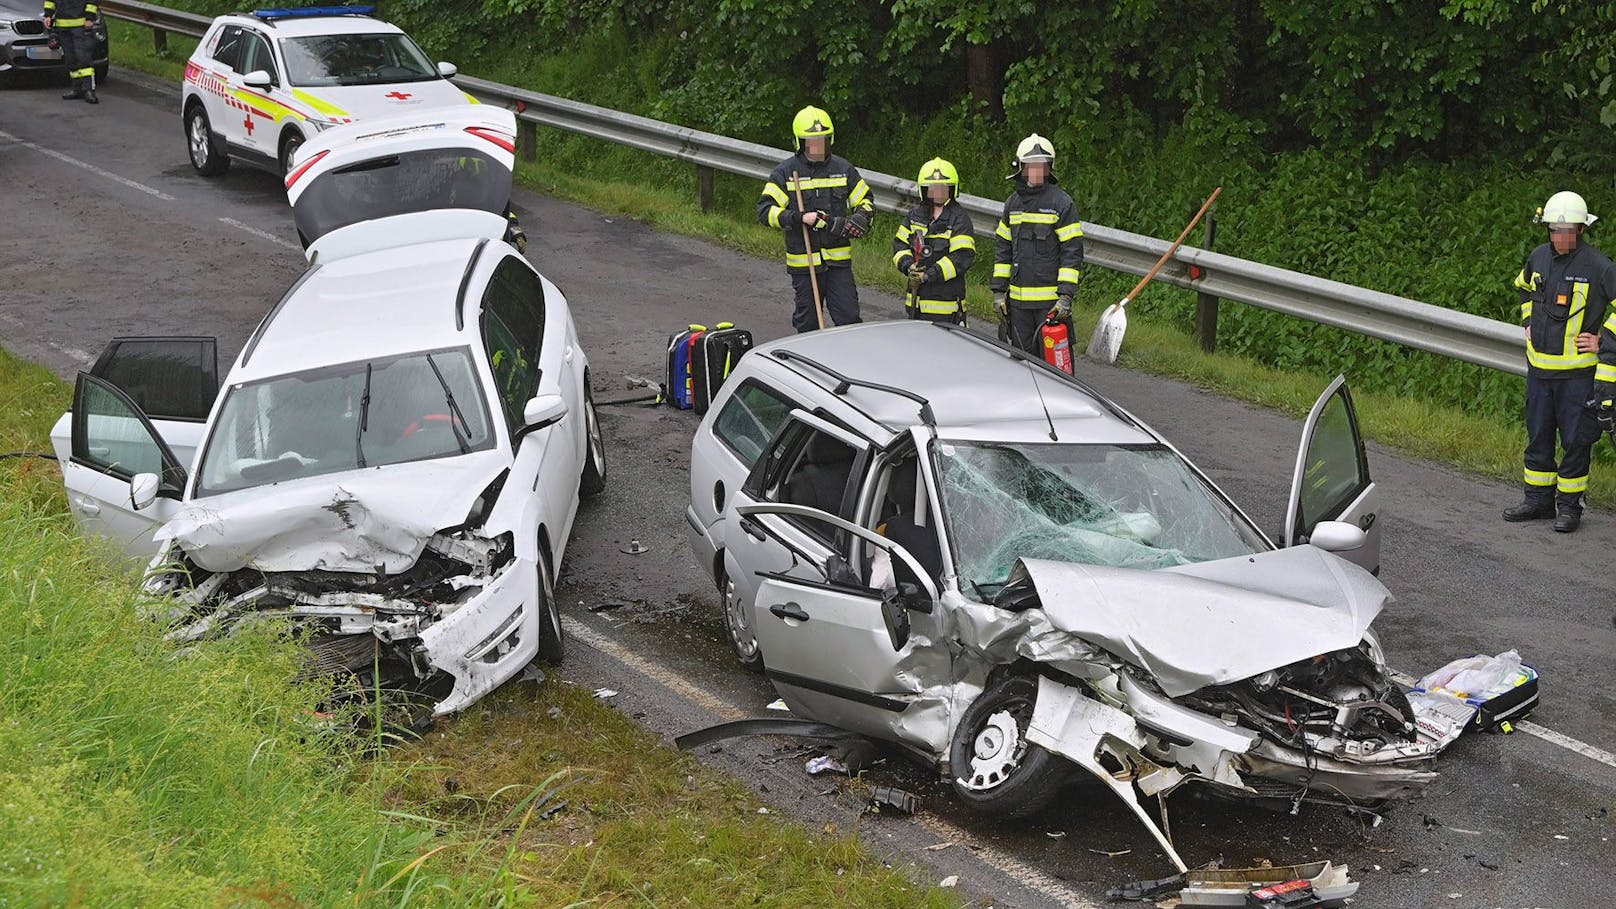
{"x": 206, "y": 156}
{"x": 289, "y": 145}
{"x": 552, "y": 640}
{"x": 593, "y": 479}
{"x": 996, "y": 770}
{"x": 738, "y": 625}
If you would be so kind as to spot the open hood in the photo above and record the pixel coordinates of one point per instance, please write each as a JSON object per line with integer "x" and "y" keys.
{"x": 380, "y": 183}
{"x": 1212, "y": 623}
{"x": 364, "y": 521}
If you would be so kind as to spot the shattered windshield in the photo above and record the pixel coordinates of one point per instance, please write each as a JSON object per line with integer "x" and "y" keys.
{"x": 363, "y": 414}
{"x": 1119, "y": 506}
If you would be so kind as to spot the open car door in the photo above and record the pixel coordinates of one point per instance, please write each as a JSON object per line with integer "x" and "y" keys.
{"x": 1332, "y": 484}
{"x": 122, "y": 479}
{"x": 438, "y": 175}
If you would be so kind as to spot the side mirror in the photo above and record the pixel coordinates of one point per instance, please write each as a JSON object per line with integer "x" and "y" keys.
{"x": 447, "y": 70}
{"x": 258, "y": 78}
{"x": 896, "y": 617}
{"x": 542, "y": 411}
{"x": 143, "y": 490}
{"x": 1337, "y": 536}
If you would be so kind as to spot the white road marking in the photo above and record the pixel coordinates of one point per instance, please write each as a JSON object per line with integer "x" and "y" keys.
{"x": 262, "y": 234}
{"x": 72, "y": 353}
{"x": 69, "y": 159}
{"x": 1575, "y": 746}
{"x": 1033, "y": 879}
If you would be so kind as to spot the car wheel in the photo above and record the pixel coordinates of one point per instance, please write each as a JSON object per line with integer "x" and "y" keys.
{"x": 738, "y": 626}
{"x": 593, "y": 480}
{"x": 289, "y": 146}
{"x": 996, "y": 770}
{"x": 552, "y": 641}
{"x": 206, "y": 157}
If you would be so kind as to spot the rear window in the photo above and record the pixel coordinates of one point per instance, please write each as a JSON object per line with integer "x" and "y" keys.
{"x": 167, "y": 378}
{"x": 425, "y": 180}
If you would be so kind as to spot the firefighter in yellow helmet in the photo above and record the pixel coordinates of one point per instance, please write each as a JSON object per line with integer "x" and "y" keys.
{"x": 836, "y": 207}
{"x": 935, "y": 246}
{"x": 1567, "y": 288}
{"x": 1038, "y": 254}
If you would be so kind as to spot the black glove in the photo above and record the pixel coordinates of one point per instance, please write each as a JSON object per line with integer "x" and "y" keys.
{"x": 859, "y": 223}
{"x": 1605, "y": 414}
{"x": 836, "y": 225}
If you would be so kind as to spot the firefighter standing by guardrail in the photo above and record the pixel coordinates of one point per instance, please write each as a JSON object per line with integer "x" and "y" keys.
{"x": 73, "y": 26}
{"x": 1038, "y": 256}
{"x": 1566, "y": 287}
{"x": 824, "y": 193}
{"x": 934, "y": 247}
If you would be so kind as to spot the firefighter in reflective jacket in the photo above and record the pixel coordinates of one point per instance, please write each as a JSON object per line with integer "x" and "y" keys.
{"x": 1038, "y": 256}
{"x": 1566, "y": 287}
{"x": 943, "y": 233}
{"x": 73, "y": 25}
{"x": 836, "y": 207}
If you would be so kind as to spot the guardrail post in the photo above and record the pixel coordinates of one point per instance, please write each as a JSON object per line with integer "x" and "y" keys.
{"x": 527, "y": 140}
{"x": 704, "y": 188}
{"x": 1206, "y": 305}
{"x": 159, "y": 39}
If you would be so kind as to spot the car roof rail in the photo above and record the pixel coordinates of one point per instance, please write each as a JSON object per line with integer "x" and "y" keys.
{"x": 272, "y": 15}
{"x": 258, "y": 333}
{"x": 1016, "y": 353}
{"x": 846, "y": 382}
{"x": 465, "y": 284}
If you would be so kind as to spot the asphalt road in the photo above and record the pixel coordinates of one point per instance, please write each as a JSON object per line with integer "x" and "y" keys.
{"x": 107, "y": 231}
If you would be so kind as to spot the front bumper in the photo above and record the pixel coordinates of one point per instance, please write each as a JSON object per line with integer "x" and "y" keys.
{"x": 489, "y": 638}
{"x": 32, "y": 53}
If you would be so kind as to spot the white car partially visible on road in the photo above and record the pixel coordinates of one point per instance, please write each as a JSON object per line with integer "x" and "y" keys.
{"x": 394, "y": 462}
{"x": 260, "y": 84}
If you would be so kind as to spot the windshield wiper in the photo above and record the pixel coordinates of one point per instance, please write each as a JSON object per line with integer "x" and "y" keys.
{"x": 364, "y": 420}
{"x": 458, "y": 419}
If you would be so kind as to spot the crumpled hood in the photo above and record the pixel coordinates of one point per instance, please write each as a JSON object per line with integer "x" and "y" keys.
{"x": 358, "y": 520}
{"x": 1212, "y": 623}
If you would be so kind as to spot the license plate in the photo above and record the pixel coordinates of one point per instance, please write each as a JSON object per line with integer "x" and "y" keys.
{"x": 43, "y": 53}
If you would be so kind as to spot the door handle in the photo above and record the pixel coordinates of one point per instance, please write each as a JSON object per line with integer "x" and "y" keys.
{"x": 789, "y": 611}
{"x": 89, "y": 506}
{"x": 752, "y": 530}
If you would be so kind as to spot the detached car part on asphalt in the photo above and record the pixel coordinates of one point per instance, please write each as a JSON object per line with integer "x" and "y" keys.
{"x": 1012, "y": 577}
{"x": 396, "y": 459}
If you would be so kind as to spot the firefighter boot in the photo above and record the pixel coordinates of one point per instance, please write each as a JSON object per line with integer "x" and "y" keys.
{"x": 1533, "y": 509}
{"x": 1567, "y": 518}
{"x": 89, "y": 95}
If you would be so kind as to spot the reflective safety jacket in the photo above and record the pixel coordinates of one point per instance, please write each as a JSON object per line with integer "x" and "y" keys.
{"x": 832, "y": 186}
{"x": 71, "y": 13}
{"x": 1038, "y": 256}
{"x": 948, "y": 247}
{"x": 1562, "y": 297}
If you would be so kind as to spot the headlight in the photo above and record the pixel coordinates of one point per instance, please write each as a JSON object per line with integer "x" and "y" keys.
{"x": 1372, "y": 644}
{"x": 5, "y": 25}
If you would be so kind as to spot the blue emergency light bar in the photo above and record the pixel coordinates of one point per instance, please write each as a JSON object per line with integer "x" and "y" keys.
{"x": 310, "y": 12}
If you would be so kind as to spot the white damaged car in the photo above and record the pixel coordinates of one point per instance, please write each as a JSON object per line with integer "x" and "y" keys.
{"x": 395, "y": 460}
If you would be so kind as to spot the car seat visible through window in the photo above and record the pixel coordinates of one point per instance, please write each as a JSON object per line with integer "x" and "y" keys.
{"x": 819, "y": 478}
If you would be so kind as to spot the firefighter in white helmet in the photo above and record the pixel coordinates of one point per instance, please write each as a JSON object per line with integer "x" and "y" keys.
{"x": 1566, "y": 288}
{"x": 1038, "y": 256}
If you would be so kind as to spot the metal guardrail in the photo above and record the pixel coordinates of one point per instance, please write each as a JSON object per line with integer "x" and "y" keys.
{"x": 1411, "y": 323}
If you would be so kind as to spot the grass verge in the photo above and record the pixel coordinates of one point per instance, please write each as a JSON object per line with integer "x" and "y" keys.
{"x": 134, "y": 773}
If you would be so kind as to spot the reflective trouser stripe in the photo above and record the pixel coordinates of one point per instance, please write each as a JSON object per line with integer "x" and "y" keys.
{"x": 1033, "y": 294}
{"x": 82, "y": 73}
{"x": 1573, "y": 484}
{"x": 1605, "y": 372}
{"x": 1001, "y": 269}
{"x": 1069, "y": 276}
{"x": 938, "y": 307}
{"x": 1540, "y": 477}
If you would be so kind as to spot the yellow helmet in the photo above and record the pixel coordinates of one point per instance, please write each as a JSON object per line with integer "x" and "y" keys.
{"x": 938, "y": 171}
{"x": 1565, "y": 208}
{"x": 811, "y": 122}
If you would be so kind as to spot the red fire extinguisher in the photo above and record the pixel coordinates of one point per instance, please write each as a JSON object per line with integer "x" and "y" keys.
{"x": 1057, "y": 338}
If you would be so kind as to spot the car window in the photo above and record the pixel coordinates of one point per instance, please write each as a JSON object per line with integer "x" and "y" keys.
{"x": 1119, "y": 506}
{"x": 229, "y": 49}
{"x": 750, "y": 418}
{"x": 255, "y": 55}
{"x": 816, "y": 470}
{"x": 167, "y": 378}
{"x": 110, "y": 435}
{"x": 365, "y": 413}
{"x": 1334, "y": 472}
{"x": 513, "y": 332}
{"x": 355, "y": 60}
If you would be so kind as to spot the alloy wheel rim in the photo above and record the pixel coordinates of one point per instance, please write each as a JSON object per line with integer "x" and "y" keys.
{"x": 199, "y": 141}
